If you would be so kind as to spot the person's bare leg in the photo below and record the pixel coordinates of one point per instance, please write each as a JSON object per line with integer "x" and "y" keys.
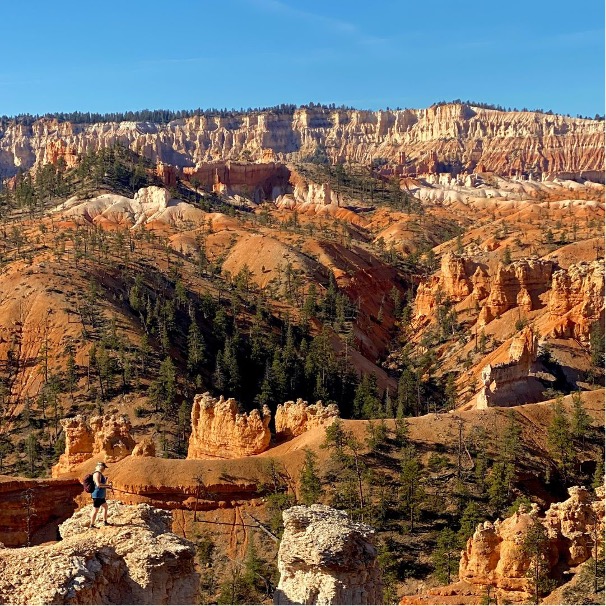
{"x": 105, "y": 512}
{"x": 93, "y": 517}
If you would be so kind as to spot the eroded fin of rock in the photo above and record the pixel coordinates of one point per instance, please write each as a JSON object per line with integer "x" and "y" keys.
{"x": 219, "y": 430}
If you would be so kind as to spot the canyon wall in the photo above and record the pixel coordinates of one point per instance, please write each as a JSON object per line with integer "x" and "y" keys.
{"x": 440, "y": 139}
{"x": 31, "y": 508}
{"x": 135, "y": 561}
{"x": 220, "y": 431}
{"x": 325, "y": 558}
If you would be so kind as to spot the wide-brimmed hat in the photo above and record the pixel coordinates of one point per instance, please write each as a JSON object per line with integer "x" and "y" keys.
{"x": 101, "y": 464}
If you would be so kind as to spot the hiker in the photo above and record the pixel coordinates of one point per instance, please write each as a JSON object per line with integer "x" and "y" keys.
{"x": 98, "y": 494}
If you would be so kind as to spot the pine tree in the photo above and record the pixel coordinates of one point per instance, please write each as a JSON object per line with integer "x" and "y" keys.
{"x": 581, "y": 421}
{"x": 196, "y": 349}
{"x": 535, "y": 546}
{"x": 310, "y": 483}
{"x": 559, "y": 438}
{"x": 411, "y": 490}
{"x": 446, "y": 555}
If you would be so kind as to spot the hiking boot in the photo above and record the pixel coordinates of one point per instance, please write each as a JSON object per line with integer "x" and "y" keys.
{"x": 107, "y": 524}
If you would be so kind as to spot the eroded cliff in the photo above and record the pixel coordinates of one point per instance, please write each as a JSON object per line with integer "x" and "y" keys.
{"x": 433, "y": 140}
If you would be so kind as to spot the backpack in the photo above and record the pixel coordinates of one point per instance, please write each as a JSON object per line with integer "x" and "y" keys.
{"x": 88, "y": 483}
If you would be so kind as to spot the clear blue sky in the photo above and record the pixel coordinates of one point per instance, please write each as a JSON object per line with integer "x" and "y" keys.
{"x": 133, "y": 54}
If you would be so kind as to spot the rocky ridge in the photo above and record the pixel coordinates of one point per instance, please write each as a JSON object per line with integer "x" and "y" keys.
{"x": 325, "y": 558}
{"x": 137, "y": 560}
{"x": 438, "y": 139}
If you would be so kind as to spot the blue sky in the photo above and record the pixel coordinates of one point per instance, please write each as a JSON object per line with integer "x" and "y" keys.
{"x": 134, "y": 54}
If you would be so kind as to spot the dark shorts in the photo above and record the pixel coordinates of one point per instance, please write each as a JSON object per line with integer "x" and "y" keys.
{"x": 98, "y": 502}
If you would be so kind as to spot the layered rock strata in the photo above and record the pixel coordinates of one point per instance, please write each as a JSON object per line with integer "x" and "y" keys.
{"x": 135, "y": 561}
{"x": 108, "y": 438}
{"x": 295, "y": 418}
{"x": 31, "y": 509}
{"x": 325, "y": 558}
{"x": 219, "y": 430}
{"x": 501, "y": 382}
{"x": 453, "y": 138}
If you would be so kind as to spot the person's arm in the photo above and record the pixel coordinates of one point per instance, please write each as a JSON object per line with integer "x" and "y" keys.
{"x": 97, "y": 481}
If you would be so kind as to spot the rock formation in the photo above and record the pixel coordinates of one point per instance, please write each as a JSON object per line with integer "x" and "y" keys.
{"x": 220, "y": 431}
{"x": 106, "y": 437}
{"x": 502, "y": 383}
{"x": 576, "y": 299}
{"x": 325, "y": 558}
{"x": 492, "y": 557}
{"x": 518, "y": 284}
{"x": 144, "y": 448}
{"x": 295, "y": 418}
{"x": 32, "y": 508}
{"x": 136, "y": 561}
{"x": 416, "y": 141}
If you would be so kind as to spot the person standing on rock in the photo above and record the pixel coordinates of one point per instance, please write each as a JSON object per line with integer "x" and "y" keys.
{"x": 98, "y": 494}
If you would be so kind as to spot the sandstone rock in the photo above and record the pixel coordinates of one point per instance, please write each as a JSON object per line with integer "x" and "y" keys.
{"x": 576, "y": 299}
{"x": 519, "y": 283}
{"x": 295, "y": 418}
{"x": 484, "y": 139}
{"x": 492, "y": 557}
{"x": 325, "y": 558}
{"x": 144, "y": 448}
{"x": 501, "y": 382}
{"x": 48, "y": 502}
{"x": 220, "y": 431}
{"x": 136, "y": 561}
{"x": 106, "y": 437}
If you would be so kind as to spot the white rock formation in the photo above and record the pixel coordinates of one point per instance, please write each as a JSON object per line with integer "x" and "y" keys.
{"x": 325, "y": 558}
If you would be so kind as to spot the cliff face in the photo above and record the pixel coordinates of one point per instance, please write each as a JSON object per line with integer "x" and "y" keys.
{"x": 219, "y": 431}
{"x": 577, "y": 299}
{"x": 106, "y": 437}
{"x": 325, "y": 558}
{"x": 136, "y": 561}
{"x": 32, "y": 508}
{"x": 431, "y": 140}
{"x": 518, "y": 284}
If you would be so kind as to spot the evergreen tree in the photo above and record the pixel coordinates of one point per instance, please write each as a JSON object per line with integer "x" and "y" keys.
{"x": 446, "y": 555}
{"x": 411, "y": 489}
{"x": 535, "y": 546}
{"x": 310, "y": 483}
{"x": 581, "y": 421}
{"x": 559, "y": 438}
{"x": 196, "y": 349}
